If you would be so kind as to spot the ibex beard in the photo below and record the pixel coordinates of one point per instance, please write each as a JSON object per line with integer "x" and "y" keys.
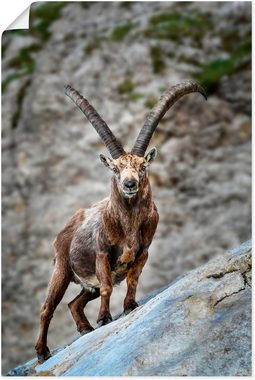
{"x": 101, "y": 246}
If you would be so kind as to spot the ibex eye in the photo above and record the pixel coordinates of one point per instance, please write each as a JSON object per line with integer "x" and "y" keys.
{"x": 115, "y": 170}
{"x": 143, "y": 168}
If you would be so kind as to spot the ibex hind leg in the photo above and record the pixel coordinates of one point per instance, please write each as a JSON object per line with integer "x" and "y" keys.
{"x": 56, "y": 289}
{"x": 76, "y": 307}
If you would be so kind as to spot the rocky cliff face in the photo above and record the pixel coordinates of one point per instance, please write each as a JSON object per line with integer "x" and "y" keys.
{"x": 198, "y": 326}
{"x": 120, "y": 56}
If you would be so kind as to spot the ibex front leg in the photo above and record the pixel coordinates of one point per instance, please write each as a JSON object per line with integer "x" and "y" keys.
{"x": 103, "y": 272}
{"x": 132, "y": 281}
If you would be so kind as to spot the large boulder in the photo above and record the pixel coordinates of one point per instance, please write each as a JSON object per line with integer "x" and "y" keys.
{"x": 200, "y": 325}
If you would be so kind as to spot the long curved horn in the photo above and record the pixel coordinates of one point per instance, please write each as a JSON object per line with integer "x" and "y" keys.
{"x": 158, "y": 111}
{"x": 110, "y": 141}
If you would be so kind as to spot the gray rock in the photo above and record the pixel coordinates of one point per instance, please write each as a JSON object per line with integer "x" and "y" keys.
{"x": 198, "y": 326}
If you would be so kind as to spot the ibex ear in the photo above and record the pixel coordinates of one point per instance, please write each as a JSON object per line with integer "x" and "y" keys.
{"x": 150, "y": 157}
{"x": 108, "y": 162}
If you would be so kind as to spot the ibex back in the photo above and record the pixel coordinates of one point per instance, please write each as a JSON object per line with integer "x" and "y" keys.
{"x": 101, "y": 246}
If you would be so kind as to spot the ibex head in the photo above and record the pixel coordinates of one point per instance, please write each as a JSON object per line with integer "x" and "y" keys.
{"x": 130, "y": 168}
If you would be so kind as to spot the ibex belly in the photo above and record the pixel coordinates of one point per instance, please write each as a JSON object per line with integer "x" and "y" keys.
{"x": 120, "y": 261}
{"x": 89, "y": 282}
{"x": 92, "y": 282}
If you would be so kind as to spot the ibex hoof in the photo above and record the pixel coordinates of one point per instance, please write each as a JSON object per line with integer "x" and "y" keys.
{"x": 104, "y": 321}
{"x": 44, "y": 356}
{"x": 130, "y": 308}
{"x": 84, "y": 332}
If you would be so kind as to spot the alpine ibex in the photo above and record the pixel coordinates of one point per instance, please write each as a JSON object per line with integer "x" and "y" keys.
{"x": 101, "y": 246}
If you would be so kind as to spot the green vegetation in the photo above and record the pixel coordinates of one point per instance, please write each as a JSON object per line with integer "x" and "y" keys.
{"x": 24, "y": 60}
{"x": 181, "y": 4}
{"x": 120, "y": 32}
{"x": 211, "y": 73}
{"x": 93, "y": 44}
{"x": 244, "y": 50}
{"x": 127, "y": 90}
{"x": 43, "y": 16}
{"x": 176, "y": 25}
{"x": 150, "y": 102}
{"x": 229, "y": 39}
{"x": 126, "y": 4}
{"x": 214, "y": 71}
{"x": 170, "y": 54}
{"x": 4, "y": 46}
{"x": 135, "y": 96}
{"x": 10, "y": 78}
{"x": 158, "y": 63}
{"x": 20, "y": 99}
{"x": 69, "y": 37}
{"x": 85, "y": 4}
{"x": 127, "y": 86}
{"x": 189, "y": 60}
{"x": 23, "y": 63}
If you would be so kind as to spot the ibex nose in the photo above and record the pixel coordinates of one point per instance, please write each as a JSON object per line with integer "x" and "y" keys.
{"x": 130, "y": 184}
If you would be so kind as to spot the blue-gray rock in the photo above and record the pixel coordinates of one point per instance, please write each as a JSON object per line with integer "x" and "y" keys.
{"x": 200, "y": 325}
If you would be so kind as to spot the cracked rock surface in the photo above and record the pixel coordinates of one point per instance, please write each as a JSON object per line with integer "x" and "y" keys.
{"x": 200, "y": 325}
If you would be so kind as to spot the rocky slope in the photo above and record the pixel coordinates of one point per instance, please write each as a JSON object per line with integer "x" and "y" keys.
{"x": 121, "y": 56}
{"x": 198, "y": 326}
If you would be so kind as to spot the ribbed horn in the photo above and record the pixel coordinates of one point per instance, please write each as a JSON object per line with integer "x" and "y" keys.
{"x": 110, "y": 141}
{"x": 158, "y": 111}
